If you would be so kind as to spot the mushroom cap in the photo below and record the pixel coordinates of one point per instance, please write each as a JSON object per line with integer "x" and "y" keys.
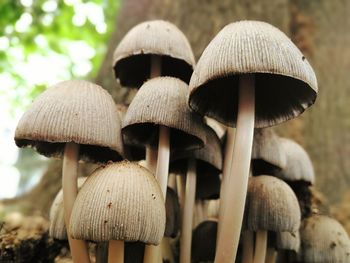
{"x": 210, "y": 155}
{"x": 267, "y": 154}
{"x": 121, "y": 201}
{"x": 285, "y": 83}
{"x": 57, "y": 225}
{"x": 288, "y": 241}
{"x": 271, "y": 205}
{"x": 132, "y": 152}
{"x": 204, "y": 251}
{"x": 298, "y": 166}
{"x": 323, "y": 239}
{"x": 73, "y": 111}
{"x": 132, "y": 57}
{"x": 163, "y": 101}
{"x": 172, "y": 207}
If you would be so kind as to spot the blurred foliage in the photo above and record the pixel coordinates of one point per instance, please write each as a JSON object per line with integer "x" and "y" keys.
{"x": 51, "y": 23}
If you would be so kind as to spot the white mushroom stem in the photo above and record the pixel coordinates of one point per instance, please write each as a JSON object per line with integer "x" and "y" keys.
{"x": 236, "y": 182}
{"x": 152, "y": 254}
{"x": 162, "y": 170}
{"x": 271, "y": 255}
{"x": 230, "y": 136}
{"x": 260, "y": 246}
{"x": 151, "y": 158}
{"x": 116, "y": 251}
{"x": 78, "y": 248}
{"x": 181, "y": 186}
{"x": 187, "y": 217}
{"x": 167, "y": 252}
{"x": 248, "y": 247}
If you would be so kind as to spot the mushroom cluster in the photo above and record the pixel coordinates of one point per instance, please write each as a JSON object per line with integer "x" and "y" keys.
{"x": 213, "y": 182}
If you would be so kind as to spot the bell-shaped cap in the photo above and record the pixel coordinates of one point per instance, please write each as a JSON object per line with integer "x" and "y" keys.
{"x": 57, "y": 225}
{"x": 285, "y": 83}
{"x": 271, "y": 205}
{"x": 288, "y": 241}
{"x": 132, "y": 57}
{"x": 172, "y": 207}
{"x": 163, "y": 101}
{"x": 298, "y": 166}
{"x": 121, "y": 201}
{"x": 268, "y": 156}
{"x": 204, "y": 242}
{"x": 73, "y": 111}
{"x": 323, "y": 239}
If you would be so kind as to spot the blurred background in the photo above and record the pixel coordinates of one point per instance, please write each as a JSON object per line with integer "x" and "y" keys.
{"x": 46, "y": 41}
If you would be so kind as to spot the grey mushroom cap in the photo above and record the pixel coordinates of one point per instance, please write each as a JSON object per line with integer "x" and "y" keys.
{"x": 163, "y": 101}
{"x": 323, "y": 239}
{"x": 267, "y": 154}
{"x": 132, "y": 57}
{"x": 298, "y": 166}
{"x": 252, "y": 47}
{"x": 271, "y": 205}
{"x": 288, "y": 241}
{"x": 73, "y": 111}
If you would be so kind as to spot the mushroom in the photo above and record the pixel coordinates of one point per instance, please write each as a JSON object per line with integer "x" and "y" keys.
{"x": 271, "y": 206}
{"x": 152, "y": 49}
{"x": 206, "y": 162}
{"x": 119, "y": 202}
{"x": 323, "y": 239}
{"x": 244, "y": 63}
{"x": 298, "y": 173}
{"x": 75, "y": 119}
{"x": 287, "y": 244}
{"x": 268, "y": 156}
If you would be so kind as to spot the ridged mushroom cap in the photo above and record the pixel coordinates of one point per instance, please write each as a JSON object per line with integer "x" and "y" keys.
{"x": 204, "y": 241}
{"x": 298, "y": 166}
{"x": 121, "y": 201}
{"x": 132, "y": 152}
{"x": 285, "y": 83}
{"x": 267, "y": 154}
{"x": 172, "y": 207}
{"x": 323, "y": 239}
{"x": 57, "y": 225}
{"x": 288, "y": 241}
{"x": 271, "y": 205}
{"x": 132, "y": 57}
{"x": 73, "y": 111}
{"x": 163, "y": 101}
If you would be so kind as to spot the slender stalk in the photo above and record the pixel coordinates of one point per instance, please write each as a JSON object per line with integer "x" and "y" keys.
{"x": 271, "y": 255}
{"x": 260, "y": 246}
{"x": 116, "y": 251}
{"x": 151, "y": 254}
{"x": 151, "y": 158}
{"x": 181, "y": 185}
{"x": 78, "y": 248}
{"x": 163, "y": 158}
{"x": 230, "y": 135}
{"x": 156, "y": 66}
{"x": 248, "y": 247}
{"x": 186, "y": 229}
{"x": 167, "y": 251}
{"x": 237, "y": 180}
{"x": 172, "y": 181}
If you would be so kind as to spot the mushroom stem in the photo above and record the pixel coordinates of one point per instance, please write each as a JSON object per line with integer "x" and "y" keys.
{"x": 151, "y": 158}
{"x": 260, "y": 246}
{"x": 156, "y": 66}
{"x": 79, "y": 250}
{"x": 167, "y": 253}
{"x": 101, "y": 252}
{"x": 271, "y": 255}
{"x": 230, "y": 136}
{"x": 181, "y": 185}
{"x": 152, "y": 254}
{"x": 162, "y": 169}
{"x": 187, "y": 217}
{"x": 116, "y": 251}
{"x": 236, "y": 181}
{"x": 248, "y": 247}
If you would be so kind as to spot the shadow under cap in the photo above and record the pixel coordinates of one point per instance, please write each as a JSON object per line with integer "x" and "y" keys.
{"x": 285, "y": 83}
{"x": 132, "y": 57}
{"x": 73, "y": 111}
{"x": 163, "y": 101}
